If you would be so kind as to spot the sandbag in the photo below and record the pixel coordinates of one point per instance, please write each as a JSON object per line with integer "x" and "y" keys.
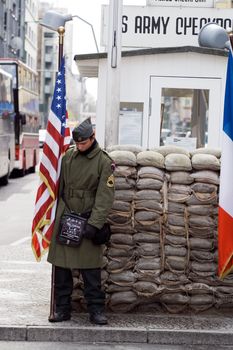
{"x": 201, "y": 244}
{"x": 177, "y": 188}
{"x": 146, "y": 289}
{"x": 175, "y": 251}
{"x": 205, "y": 150}
{"x": 175, "y": 240}
{"x": 148, "y": 264}
{"x": 151, "y": 172}
{"x": 121, "y": 238}
{"x": 205, "y": 161}
{"x": 121, "y": 206}
{"x": 148, "y": 249}
{"x": 204, "y": 187}
{"x": 122, "y": 183}
{"x": 125, "y": 171}
{"x": 146, "y": 183}
{"x": 124, "y": 195}
{"x": 149, "y": 205}
{"x": 119, "y": 264}
{"x": 131, "y": 148}
{"x": 124, "y": 278}
{"x": 176, "y": 263}
{"x": 148, "y": 195}
{"x": 129, "y": 297}
{"x": 177, "y": 208}
{"x": 146, "y": 237}
{"x": 181, "y": 177}
{"x": 174, "y": 162}
{"x": 204, "y": 210}
{"x": 207, "y": 176}
{"x": 123, "y": 158}
{"x": 143, "y": 216}
{"x": 165, "y": 150}
{"x": 201, "y": 221}
{"x": 150, "y": 158}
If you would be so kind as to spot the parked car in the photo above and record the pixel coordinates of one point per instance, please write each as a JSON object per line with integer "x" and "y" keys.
{"x": 42, "y": 133}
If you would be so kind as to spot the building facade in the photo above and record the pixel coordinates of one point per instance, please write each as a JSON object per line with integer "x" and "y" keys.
{"x": 47, "y": 64}
{"x": 31, "y": 33}
{"x": 12, "y": 17}
{"x": 19, "y": 30}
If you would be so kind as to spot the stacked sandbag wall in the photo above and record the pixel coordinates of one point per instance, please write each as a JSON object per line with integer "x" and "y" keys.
{"x": 163, "y": 248}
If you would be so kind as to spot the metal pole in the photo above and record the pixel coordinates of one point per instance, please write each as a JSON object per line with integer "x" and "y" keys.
{"x": 112, "y": 108}
{"x": 61, "y": 32}
{"x": 92, "y": 29}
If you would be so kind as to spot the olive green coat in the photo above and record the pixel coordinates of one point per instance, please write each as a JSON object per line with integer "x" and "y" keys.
{"x": 87, "y": 183}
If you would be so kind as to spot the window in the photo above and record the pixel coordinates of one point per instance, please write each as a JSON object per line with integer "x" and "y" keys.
{"x": 5, "y": 21}
{"x": 184, "y": 113}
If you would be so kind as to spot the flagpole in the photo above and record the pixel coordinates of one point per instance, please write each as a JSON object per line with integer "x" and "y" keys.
{"x": 61, "y": 32}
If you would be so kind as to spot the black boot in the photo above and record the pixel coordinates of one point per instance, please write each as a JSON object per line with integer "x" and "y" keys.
{"x": 98, "y": 317}
{"x": 60, "y": 316}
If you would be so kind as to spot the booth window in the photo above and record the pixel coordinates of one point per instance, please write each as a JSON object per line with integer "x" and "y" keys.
{"x": 184, "y": 114}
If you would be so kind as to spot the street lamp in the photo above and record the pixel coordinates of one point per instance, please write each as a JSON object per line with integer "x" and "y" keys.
{"x": 213, "y": 36}
{"x": 54, "y": 20}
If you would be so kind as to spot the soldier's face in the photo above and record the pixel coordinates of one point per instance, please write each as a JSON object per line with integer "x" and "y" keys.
{"x": 84, "y": 145}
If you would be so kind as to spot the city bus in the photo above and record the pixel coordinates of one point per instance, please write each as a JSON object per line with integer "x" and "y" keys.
{"x": 7, "y": 136}
{"x": 26, "y": 114}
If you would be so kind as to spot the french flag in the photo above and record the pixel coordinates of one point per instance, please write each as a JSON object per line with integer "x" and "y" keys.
{"x": 225, "y": 219}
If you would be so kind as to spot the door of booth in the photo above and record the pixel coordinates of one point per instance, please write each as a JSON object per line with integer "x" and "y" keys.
{"x": 185, "y": 111}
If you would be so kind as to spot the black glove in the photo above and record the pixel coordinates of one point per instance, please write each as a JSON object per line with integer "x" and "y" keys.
{"x": 90, "y": 231}
{"x": 103, "y": 235}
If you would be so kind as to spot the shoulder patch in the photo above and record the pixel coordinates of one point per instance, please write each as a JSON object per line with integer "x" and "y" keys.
{"x": 110, "y": 181}
{"x": 113, "y": 166}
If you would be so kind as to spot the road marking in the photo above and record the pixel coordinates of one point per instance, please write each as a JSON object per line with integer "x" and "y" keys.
{"x": 20, "y": 241}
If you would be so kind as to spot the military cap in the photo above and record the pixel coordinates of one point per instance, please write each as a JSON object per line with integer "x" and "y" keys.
{"x": 83, "y": 131}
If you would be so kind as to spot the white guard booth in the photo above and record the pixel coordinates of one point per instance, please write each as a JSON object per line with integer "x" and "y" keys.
{"x": 168, "y": 95}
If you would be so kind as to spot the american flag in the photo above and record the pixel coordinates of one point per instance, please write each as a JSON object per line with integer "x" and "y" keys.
{"x": 57, "y": 141}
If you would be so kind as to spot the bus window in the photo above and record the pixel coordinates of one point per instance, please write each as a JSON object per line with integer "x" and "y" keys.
{"x": 26, "y": 118}
{"x": 6, "y": 97}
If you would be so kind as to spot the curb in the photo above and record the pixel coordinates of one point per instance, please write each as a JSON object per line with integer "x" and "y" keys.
{"x": 100, "y": 334}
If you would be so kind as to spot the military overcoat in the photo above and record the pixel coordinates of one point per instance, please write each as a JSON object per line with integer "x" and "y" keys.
{"x": 87, "y": 184}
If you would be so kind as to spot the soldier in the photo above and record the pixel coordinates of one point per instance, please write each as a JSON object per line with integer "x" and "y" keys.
{"x": 86, "y": 186}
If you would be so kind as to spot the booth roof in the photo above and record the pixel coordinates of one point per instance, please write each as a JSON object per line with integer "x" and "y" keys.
{"x": 88, "y": 64}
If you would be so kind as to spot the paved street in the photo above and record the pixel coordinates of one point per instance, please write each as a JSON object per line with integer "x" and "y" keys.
{"x": 16, "y": 209}
{"x": 17, "y": 263}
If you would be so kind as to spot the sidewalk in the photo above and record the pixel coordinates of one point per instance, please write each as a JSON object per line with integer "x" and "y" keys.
{"x": 24, "y": 309}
